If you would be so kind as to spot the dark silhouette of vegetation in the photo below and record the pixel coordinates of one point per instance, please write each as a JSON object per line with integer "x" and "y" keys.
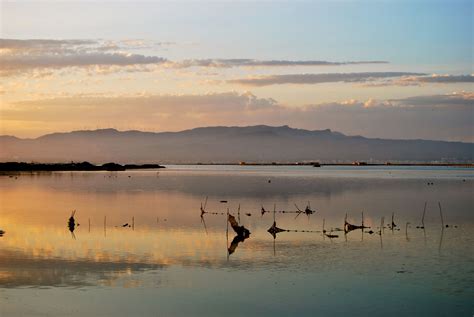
{"x": 73, "y": 166}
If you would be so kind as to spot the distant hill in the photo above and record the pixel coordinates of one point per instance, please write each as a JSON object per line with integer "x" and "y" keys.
{"x": 226, "y": 145}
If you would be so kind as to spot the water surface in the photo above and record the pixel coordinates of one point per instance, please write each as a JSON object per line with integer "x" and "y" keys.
{"x": 172, "y": 262}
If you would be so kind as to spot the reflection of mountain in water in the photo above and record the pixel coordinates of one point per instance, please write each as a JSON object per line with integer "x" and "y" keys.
{"x": 234, "y": 185}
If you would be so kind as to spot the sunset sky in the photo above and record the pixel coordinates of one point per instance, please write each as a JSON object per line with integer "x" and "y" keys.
{"x": 389, "y": 69}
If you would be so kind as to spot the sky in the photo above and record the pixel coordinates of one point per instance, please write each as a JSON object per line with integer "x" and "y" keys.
{"x": 386, "y": 69}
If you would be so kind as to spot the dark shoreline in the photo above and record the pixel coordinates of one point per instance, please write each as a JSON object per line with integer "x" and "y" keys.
{"x": 83, "y": 166}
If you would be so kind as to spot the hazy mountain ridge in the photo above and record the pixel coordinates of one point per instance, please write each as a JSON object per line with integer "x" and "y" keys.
{"x": 226, "y": 145}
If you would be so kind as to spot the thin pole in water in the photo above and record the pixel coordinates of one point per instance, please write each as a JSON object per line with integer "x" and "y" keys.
{"x": 274, "y": 211}
{"x": 324, "y": 230}
{"x": 441, "y": 214}
{"x": 392, "y": 224}
{"x": 423, "y": 217}
{"x": 227, "y": 233}
{"x": 238, "y": 213}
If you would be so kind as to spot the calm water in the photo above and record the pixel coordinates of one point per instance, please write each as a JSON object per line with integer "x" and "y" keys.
{"x": 172, "y": 262}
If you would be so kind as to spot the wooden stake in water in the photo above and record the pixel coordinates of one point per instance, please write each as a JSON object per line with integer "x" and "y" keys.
{"x": 381, "y": 231}
{"x": 392, "y": 224}
{"x": 227, "y": 233}
{"x": 441, "y": 214}
{"x": 133, "y": 223}
{"x": 238, "y": 213}
{"x": 105, "y": 226}
{"x": 423, "y": 217}
{"x": 406, "y": 231}
{"x": 274, "y": 211}
{"x": 324, "y": 230}
{"x": 89, "y": 224}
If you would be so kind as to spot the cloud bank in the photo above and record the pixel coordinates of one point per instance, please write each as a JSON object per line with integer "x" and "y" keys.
{"x": 228, "y": 63}
{"x": 421, "y": 80}
{"x": 311, "y": 79}
{"x": 23, "y": 56}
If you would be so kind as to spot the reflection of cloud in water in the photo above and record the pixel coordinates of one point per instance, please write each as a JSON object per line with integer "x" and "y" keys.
{"x": 72, "y": 263}
{"x": 18, "y": 269}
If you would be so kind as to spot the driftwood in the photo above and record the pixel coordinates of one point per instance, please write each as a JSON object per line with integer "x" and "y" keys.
{"x": 72, "y": 224}
{"x": 239, "y": 230}
{"x": 242, "y": 233}
{"x": 348, "y": 227}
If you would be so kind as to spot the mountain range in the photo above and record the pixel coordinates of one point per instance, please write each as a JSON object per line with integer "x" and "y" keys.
{"x": 226, "y": 145}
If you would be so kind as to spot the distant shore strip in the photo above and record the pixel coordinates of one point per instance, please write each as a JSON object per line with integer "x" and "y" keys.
{"x": 86, "y": 166}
